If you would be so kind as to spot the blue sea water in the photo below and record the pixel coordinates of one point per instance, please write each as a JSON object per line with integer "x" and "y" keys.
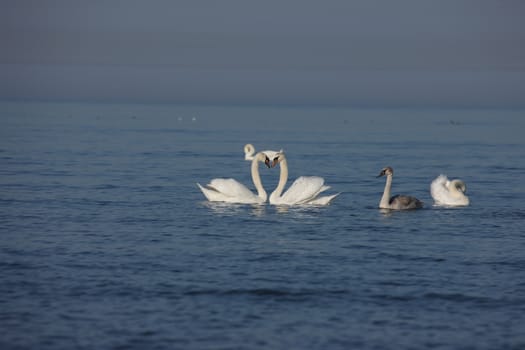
{"x": 106, "y": 241}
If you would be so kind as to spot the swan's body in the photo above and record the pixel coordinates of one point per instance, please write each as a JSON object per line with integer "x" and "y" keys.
{"x": 398, "y": 202}
{"x": 232, "y": 191}
{"x": 304, "y": 190}
{"x": 449, "y": 192}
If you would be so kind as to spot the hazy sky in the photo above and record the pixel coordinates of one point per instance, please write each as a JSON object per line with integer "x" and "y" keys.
{"x": 363, "y": 53}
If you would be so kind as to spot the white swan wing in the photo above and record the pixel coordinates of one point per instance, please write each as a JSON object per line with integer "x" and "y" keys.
{"x": 303, "y": 190}
{"x": 439, "y": 189}
{"x": 324, "y": 200}
{"x": 230, "y": 186}
{"x": 228, "y": 190}
{"x": 438, "y": 185}
{"x": 213, "y": 195}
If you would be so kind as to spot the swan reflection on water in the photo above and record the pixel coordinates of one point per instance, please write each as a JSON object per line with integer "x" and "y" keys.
{"x": 388, "y": 213}
{"x": 235, "y": 209}
{"x": 261, "y": 210}
{"x": 299, "y": 211}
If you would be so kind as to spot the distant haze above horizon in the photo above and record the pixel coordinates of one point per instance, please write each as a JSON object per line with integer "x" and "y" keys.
{"x": 340, "y": 53}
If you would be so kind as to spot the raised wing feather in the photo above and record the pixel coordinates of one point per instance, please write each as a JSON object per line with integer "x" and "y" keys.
{"x": 230, "y": 188}
{"x": 304, "y": 189}
{"x": 439, "y": 190}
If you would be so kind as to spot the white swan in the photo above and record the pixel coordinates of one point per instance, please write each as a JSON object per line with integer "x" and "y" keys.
{"x": 304, "y": 190}
{"x": 232, "y": 191}
{"x": 449, "y": 192}
{"x": 397, "y": 202}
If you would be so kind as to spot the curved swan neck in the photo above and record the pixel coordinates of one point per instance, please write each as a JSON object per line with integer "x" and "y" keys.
{"x": 256, "y": 178}
{"x": 457, "y": 186}
{"x": 385, "y": 200}
{"x": 283, "y": 178}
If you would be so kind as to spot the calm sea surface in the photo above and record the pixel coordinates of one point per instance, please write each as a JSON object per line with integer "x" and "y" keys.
{"x": 106, "y": 241}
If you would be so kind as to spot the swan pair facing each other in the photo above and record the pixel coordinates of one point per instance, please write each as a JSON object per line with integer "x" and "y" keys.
{"x": 305, "y": 190}
{"x": 443, "y": 191}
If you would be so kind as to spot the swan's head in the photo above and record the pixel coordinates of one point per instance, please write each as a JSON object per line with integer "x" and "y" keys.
{"x": 249, "y": 151}
{"x": 266, "y": 157}
{"x": 386, "y": 171}
{"x": 459, "y": 185}
{"x": 275, "y": 157}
